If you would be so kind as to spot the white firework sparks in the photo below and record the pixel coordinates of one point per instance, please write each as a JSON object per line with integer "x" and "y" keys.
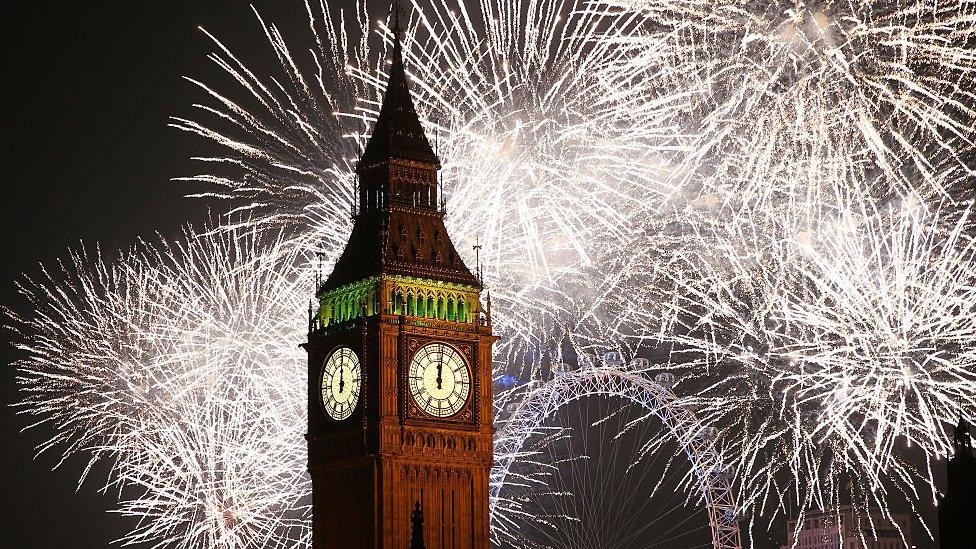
{"x": 825, "y": 323}
{"x": 785, "y": 99}
{"x": 550, "y": 147}
{"x": 821, "y": 354}
{"x": 178, "y": 365}
{"x": 547, "y": 141}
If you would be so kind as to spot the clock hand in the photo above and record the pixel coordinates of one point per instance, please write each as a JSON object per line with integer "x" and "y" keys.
{"x": 342, "y": 381}
{"x": 440, "y": 366}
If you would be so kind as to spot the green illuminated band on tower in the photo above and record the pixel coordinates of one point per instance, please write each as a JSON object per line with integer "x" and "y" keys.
{"x": 411, "y": 296}
{"x": 347, "y": 302}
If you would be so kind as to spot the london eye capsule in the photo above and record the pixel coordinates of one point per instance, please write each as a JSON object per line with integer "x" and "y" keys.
{"x": 666, "y": 379}
{"x": 559, "y": 368}
{"x": 613, "y": 359}
{"x": 639, "y": 364}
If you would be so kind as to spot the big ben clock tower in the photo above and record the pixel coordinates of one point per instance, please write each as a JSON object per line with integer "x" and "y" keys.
{"x": 399, "y": 360}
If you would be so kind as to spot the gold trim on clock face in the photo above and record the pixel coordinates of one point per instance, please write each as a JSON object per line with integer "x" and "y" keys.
{"x": 439, "y": 380}
{"x": 340, "y": 384}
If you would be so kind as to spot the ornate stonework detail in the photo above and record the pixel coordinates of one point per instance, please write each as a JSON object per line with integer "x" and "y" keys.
{"x": 431, "y": 299}
{"x": 455, "y": 446}
{"x": 435, "y": 474}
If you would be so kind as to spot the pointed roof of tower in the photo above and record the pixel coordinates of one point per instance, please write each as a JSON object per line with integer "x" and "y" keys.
{"x": 398, "y": 132}
{"x": 394, "y": 235}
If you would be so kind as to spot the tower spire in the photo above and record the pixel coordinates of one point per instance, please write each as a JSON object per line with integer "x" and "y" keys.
{"x": 397, "y": 29}
{"x": 399, "y": 224}
{"x": 398, "y": 132}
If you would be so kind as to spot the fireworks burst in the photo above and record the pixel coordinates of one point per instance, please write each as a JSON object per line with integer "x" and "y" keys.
{"x": 784, "y": 99}
{"x": 177, "y": 364}
{"x": 548, "y": 143}
{"x": 821, "y": 289}
{"x": 821, "y": 357}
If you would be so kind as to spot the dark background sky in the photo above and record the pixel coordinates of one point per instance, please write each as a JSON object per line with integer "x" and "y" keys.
{"x": 88, "y": 157}
{"x": 88, "y": 88}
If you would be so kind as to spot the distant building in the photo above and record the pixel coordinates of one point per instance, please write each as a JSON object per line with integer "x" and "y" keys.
{"x": 849, "y": 528}
{"x": 957, "y": 508}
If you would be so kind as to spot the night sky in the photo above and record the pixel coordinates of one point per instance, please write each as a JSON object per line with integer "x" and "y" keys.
{"x": 89, "y": 87}
{"x": 88, "y": 158}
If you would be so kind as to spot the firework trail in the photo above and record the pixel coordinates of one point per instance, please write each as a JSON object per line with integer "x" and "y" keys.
{"x": 177, "y": 364}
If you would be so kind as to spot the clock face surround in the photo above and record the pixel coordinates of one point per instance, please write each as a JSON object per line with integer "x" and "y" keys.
{"x": 341, "y": 382}
{"x": 439, "y": 380}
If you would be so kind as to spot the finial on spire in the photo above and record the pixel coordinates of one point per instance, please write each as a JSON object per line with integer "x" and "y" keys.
{"x": 488, "y": 320}
{"x": 397, "y": 29}
{"x": 477, "y": 258}
{"x": 311, "y": 317}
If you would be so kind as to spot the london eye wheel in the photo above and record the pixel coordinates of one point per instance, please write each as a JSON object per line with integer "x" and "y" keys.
{"x": 605, "y": 456}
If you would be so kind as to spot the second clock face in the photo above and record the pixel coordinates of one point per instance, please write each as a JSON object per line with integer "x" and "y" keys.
{"x": 439, "y": 380}
{"x": 341, "y": 377}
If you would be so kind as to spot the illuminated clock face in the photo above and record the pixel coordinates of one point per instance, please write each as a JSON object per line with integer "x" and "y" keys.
{"x": 439, "y": 380}
{"x": 341, "y": 378}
